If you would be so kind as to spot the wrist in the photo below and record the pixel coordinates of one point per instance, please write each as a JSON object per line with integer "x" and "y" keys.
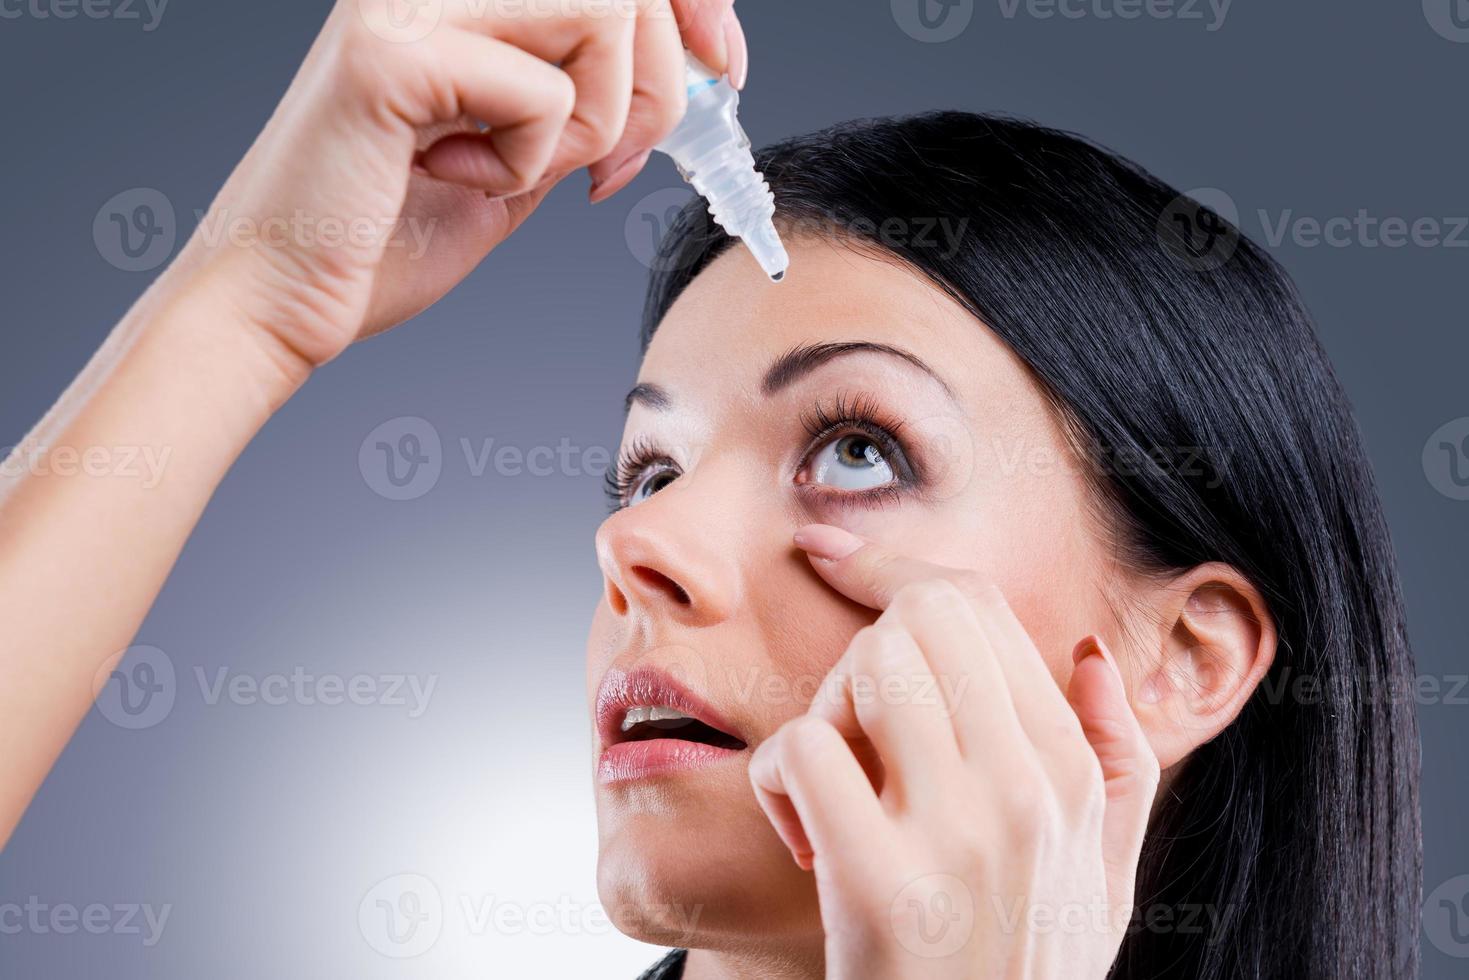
{"x": 197, "y": 316}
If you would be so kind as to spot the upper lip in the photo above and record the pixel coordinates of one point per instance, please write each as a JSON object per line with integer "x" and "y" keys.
{"x": 621, "y": 690}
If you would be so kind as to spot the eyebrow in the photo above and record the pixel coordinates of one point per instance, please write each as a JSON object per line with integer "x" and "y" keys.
{"x": 790, "y": 367}
{"x": 801, "y": 361}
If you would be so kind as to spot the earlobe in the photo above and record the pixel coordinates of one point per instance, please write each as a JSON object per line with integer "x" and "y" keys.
{"x": 1216, "y": 642}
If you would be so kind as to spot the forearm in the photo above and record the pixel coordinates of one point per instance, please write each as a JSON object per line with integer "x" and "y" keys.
{"x": 97, "y": 501}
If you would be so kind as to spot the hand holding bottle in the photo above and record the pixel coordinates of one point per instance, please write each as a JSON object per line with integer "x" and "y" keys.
{"x": 380, "y": 130}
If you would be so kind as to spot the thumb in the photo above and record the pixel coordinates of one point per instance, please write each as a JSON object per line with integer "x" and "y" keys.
{"x": 1129, "y": 766}
{"x": 712, "y": 32}
{"x": 865, "y": 572}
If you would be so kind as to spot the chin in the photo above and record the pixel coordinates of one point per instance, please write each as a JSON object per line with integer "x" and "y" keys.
{"x": 690, "y": 860}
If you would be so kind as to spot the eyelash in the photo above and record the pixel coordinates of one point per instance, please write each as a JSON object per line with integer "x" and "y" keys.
{"x": 822, "y": 423}
{"x": 860, "y": 415}
{"x": 632, "y": 465}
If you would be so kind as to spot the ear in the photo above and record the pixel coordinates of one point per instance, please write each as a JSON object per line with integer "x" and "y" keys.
{"x": 1216, "y": 642}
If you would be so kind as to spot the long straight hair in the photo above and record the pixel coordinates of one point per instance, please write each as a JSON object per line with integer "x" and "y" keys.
{"x": 1289, "y": 846}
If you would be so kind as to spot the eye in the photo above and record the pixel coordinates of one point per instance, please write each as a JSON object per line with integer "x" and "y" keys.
{"x": 858, "y": 457}
{"x": 649, "y": 483}
{"x": 641, "y": 471}
{"x": 854, "y": 461}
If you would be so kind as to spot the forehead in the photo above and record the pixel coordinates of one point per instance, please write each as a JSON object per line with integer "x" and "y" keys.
{"x": 731, "y": 322}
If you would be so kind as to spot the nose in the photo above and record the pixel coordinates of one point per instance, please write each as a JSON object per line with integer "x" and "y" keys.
{"x": 657, "y": 560}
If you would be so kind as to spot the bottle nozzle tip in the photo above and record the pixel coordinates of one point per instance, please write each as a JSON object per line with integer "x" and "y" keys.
{"x": 768, "y": 251}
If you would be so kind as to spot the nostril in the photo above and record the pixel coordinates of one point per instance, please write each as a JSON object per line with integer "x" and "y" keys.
{"x": 656, "y": 580}
{"x": 616, "y": 599}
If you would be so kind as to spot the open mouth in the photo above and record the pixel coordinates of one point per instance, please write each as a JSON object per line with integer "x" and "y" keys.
{"x": 652, "y": 726}
{"x": 641, "y": 723}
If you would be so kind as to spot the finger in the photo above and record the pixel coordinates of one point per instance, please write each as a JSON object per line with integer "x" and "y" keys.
{"x": 860, "y": 570}
{"x": 1129, "y": 766}
{"x": 464, "y": 226}
{"x": 602, "y": 69}
{"x": 658, "y": 100}
{"x": 525, "y": 101}
{"x": 712, "y": 33}
{"x": 818, "y": 798}
{"x": 968, "y": 675}
{"x": 883, "y": 690}
{"x": 592, "y": 43}
{"x": 958, "y": 646}
{"x": 1048, "y": 719}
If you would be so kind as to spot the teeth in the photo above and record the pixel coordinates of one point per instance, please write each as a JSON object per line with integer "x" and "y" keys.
{"x": 655, "y": 712}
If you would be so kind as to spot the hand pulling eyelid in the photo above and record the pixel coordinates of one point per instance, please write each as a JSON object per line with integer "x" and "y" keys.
{"x": 713, "y": 154}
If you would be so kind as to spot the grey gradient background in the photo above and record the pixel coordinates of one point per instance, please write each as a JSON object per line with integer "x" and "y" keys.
{"x": 264, "y": 826}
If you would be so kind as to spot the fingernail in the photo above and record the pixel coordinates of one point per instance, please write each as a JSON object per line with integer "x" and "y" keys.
{"x": 620, "y": 175}
{"x": 1093, "y": 645}
{"x": 739, "y": 51}
{"x": 825, "y": 541}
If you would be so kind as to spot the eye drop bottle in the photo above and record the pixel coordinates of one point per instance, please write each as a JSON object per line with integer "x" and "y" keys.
{"x": 713, "y": 154}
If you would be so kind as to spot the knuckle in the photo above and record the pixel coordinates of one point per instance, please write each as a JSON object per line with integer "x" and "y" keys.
{"x": 806, "y": 737}
{"x": 560, "y": 95}
{"x": 363, "y": 56}
{"x": 595, "y": 137}
{"x": 890, "y": 656}
{"x": 873, "y": 572}
{"x": 928, "y": 596}
{"x": 1025, "y": 803}
{"x": 979, "y": 589}
{"x": 520, "y": 180}
{"x": 1082, "y": 776}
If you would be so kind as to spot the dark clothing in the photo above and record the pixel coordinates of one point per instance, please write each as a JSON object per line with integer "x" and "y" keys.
{"x": 668, "y": 968}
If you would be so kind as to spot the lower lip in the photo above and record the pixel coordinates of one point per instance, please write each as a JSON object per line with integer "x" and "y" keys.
{"x": 656, "y": 757}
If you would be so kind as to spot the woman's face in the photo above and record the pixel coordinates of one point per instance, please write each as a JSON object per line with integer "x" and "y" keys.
{"x": 853, "y": 393}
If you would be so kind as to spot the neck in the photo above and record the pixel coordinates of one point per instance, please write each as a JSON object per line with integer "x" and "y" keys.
{"x": 787, "y": 963}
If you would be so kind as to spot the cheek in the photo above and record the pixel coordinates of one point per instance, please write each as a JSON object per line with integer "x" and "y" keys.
{"x": 1035, "y": 546}
{"x": 802, "y": 628}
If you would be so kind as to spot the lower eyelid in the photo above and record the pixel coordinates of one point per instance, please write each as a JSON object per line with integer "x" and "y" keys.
{"x": 821, "y": 495}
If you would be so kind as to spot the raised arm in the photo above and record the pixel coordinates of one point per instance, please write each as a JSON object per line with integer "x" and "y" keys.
{"x": 379, "y": 129}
